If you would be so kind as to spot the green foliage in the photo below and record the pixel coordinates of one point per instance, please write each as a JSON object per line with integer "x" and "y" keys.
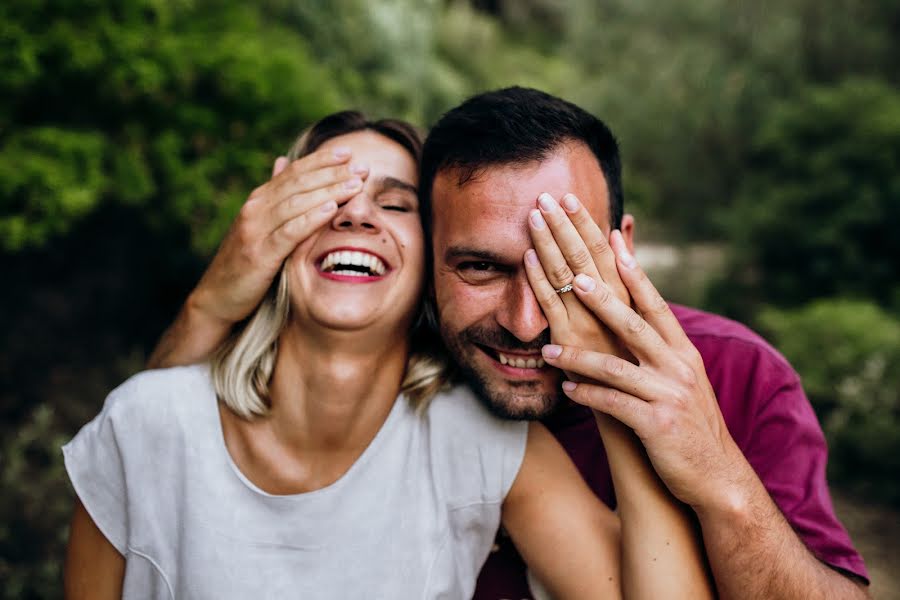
{"x": 819, "y": 212}
{"x": 131, "y": 132}
{"x": 847, "y": 353}
{"x": 178, "y": 108}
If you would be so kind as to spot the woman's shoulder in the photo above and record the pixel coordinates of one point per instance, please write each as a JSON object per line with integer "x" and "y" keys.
{"x": 159, "y": 397}
{"x": 468, "y": 439}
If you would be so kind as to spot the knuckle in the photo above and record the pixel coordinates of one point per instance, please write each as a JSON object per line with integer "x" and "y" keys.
{"x": 694, "y": 358}
{"x": 685, "y": 373}
{"x": 562, "y": 273}
{"x": 581, "y": 259}
{"x": 615, "y": 366}
{"x": 614, "y": 397}
{"x": 603, "y": 294}
{"x": 598, "y": 247}
{"x": 570, "y": 355}
{"x": 249, "y": 208}
{"x": 550, "y": 299}
{"x": 295, "y": 225}
{"x": 658, "y": 306}
{"x": 665, "y": 420}
{"x": 635, "y": 324}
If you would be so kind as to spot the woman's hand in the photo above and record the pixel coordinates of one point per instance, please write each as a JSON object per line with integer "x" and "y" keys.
{"x": 300, "y": 198}
{"x": 567, "y": 242}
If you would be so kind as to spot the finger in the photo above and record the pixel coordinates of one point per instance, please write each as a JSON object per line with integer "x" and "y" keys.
{"x": 567, "y": 237}
{"x": 606, "y": 369}
{"x": 550, "y": 302}
{"x": 311, "y": 162}
{"x": 323, "y": 158}
{"x": 285, "y": 238}
{"x": 307, "y": 181}
{"x": 637, "y": 335}
{"x": 297, "y": 204}
{"x": 598, "y": 246}
{"x": 647, "y": 299}
{"x": 552, "y": 260}
{"x": 632, "y": 411}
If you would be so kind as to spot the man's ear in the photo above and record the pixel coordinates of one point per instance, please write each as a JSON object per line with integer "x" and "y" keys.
{"x": 627, "y": 230}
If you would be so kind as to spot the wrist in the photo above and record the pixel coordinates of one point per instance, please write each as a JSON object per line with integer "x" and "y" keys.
{"x": 197, "y": 312}
{"x": 733, "y": 495}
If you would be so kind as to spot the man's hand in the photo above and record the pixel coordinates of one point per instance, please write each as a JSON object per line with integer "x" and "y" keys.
{"x": 300, "y": 198}
{"x": 666, "y": 398}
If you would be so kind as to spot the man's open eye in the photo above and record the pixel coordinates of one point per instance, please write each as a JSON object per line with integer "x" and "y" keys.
{"x": 481, "y": 266}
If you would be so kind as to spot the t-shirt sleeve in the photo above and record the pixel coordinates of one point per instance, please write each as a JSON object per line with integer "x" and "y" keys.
{"x": 789, "y": 453}
{"x": 477, "y": 455}
{"x": 95, "y": 465}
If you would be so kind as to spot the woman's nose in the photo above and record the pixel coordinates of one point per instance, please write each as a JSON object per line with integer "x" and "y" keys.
{"x": 357, "y": 214}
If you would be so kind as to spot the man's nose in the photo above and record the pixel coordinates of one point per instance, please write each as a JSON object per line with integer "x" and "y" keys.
{"x": 521, "y": 313}
{"x": 357, "y": 214}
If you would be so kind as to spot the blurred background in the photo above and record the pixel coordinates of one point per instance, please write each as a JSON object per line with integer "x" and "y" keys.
{"x": 761, "y": 142}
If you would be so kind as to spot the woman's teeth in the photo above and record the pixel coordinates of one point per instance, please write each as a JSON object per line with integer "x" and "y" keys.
{"x": 346, "y": 262}
{"x": 521, "y": 363}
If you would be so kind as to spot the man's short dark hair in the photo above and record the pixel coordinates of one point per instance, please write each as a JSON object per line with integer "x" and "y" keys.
{"x": 515, "y": 126}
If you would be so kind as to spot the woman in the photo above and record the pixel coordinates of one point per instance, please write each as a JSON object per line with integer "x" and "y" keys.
{"x": 291, "y": 466}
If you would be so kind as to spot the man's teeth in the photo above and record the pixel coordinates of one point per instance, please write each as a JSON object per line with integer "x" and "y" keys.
{"x": 521, "y": 363}
{"x": 334, "y": 262}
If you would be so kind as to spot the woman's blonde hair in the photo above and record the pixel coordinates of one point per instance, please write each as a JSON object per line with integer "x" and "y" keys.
{"x": 242, "y": 366}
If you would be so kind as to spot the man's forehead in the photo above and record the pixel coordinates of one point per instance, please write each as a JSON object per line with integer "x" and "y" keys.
{"x": 505, "y": 194}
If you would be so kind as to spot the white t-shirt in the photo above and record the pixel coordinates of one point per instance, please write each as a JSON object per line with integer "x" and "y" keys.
{"x": 414, "y": 517}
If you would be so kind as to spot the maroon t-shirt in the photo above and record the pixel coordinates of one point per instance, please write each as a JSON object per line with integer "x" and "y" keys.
{"x": 768, "y": 416}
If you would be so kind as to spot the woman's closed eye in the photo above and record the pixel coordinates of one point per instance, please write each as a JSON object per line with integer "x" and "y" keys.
{"x": 397, "y": 204}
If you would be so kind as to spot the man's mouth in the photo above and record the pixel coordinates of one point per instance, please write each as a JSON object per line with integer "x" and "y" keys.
{"x": 515, "y": 360}
{"x": 352, "y": 263}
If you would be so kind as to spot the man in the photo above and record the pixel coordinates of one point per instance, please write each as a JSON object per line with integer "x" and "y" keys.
{"x": 729, "y": 430}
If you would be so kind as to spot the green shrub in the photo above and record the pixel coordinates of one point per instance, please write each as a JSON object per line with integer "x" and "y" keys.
{"x": 847, "y": 352}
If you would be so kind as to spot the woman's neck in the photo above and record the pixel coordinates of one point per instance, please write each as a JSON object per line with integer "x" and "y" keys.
{"x": 332, "y": 393}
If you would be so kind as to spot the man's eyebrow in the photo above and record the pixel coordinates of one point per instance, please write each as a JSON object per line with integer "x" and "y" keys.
{"x": 456, "y": 252}
{"x": 391, "y": 183}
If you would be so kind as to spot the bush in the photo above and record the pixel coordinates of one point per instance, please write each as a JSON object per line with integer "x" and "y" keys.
{"x": 847, "y": 352}
{"x": 818, "y": 215}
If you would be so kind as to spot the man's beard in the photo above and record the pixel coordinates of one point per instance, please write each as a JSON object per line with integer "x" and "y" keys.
{"x": 525, "y": 400}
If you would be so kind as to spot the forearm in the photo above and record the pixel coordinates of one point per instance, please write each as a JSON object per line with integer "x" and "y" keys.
{"x": 755, "y": 554}
{"x": 661, "y": 551}
{"x": 191, "y": 338}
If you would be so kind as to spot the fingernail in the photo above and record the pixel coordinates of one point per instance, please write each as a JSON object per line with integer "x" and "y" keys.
{"x": 547, "y": 202}
{"x": 352, "y": 184}
{"x": 570, "y": 203}
{"x": 537, "y": 220}
{"x": 329, "y": 206}
{"x": 359, "y": 169}
{"x": 585, "y": 283}
{"x": 627, "y": 259}
{"x": 569, "y": 386}
{"x": 531, "y": 257}
{"x": 551, "y": 351}
{"x": 341, "y": 152}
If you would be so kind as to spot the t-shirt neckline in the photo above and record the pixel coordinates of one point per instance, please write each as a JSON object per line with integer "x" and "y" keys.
{"x": 358, "y": 465}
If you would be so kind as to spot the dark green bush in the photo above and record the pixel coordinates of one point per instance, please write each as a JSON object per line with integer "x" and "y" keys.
{"x": 848, "y": 354}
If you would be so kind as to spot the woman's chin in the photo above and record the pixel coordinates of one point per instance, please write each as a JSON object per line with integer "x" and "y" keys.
{"x": 356, "y": 319}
